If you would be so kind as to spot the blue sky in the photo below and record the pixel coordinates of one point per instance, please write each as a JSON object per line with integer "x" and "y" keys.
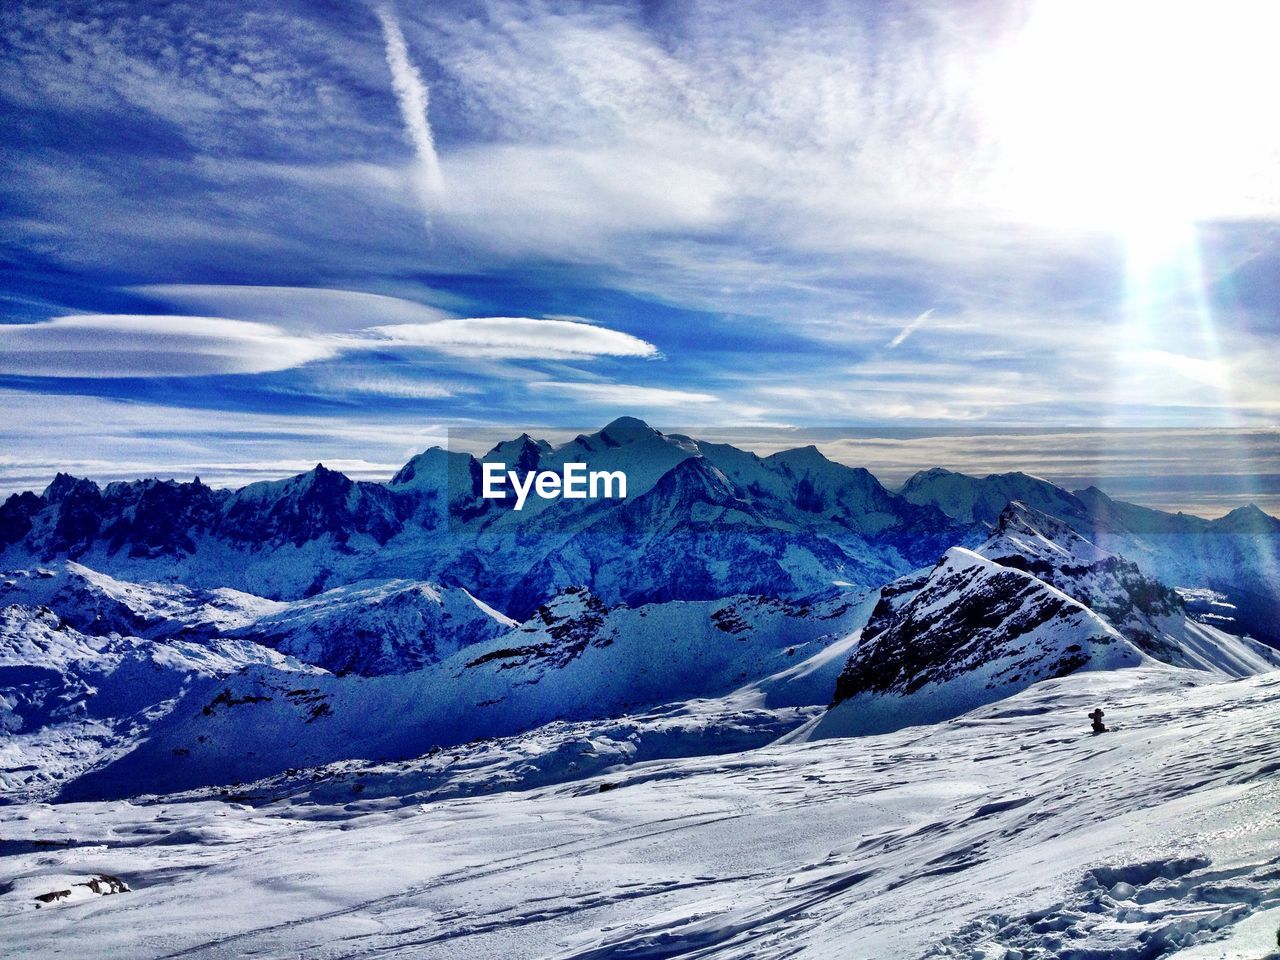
{"x": 241, "y": 238}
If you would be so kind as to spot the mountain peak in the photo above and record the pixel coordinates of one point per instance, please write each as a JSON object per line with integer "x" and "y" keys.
{"x": 971, "y": 499}
{"x": 808, "y": 454}
{"x": 523, "y": 453}
{"x": 1247, "y": 519}
{"x": 1017, "y": 476}
{"x": 1248, "y": 510}
{"x": 1029, "y": 536}
{"x": 1018, "y": 516}
{"x": 626, "y": 430}
{"x": 932, "y": 473}
{"x": 65, "y": 483}
{"x": 431, "y": 468}
{"x": 518, "y": 444}
{"x": 320, "y": 476}
{"x": 971, "y": 631}
{"x": 697, "y": 474}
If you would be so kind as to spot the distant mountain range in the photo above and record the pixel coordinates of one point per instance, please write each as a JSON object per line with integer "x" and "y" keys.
{"x": 159, "y": 636}
{"x": 791, "y": 524}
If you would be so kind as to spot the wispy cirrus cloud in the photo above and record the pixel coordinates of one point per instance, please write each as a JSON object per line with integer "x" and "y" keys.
{"x": 770, "y": 206}
{"x": 908, "y": 330}
{"x": 623, "y": 395}
{"x": 414, "y": 98}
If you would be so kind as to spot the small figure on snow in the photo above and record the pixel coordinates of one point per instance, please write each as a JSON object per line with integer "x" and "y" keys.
{"x": 1098, "y": 725}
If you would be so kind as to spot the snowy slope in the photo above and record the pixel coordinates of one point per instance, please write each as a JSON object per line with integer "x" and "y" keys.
{"x": 71, "y": 700}
{"x": 1143, "y": 610}
{"x": 575, "y": 659}
{"x": 974, "y": 632}
{"x": 747, "y": 717}
{"x": 373, "y": 627}
{"x": 982, "y": 500}
{"x": 1007, "y": 833}
{"x": 100, "y": 604}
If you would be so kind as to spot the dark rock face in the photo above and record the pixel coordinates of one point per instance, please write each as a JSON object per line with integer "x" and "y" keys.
{"x": 16, "y": 516}
{"x": 565, "y": 627}
{"x": 157, "y": 517}
{"x": 1112, "y": 586}
{"x": 78, "y": 510}
{"x": 103, "y": 885}
{"x": 310, "y": 506}
{"x": 963, "y": 618}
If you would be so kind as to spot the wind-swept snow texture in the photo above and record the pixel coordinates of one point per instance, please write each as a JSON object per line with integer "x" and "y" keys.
{"x": 1009, "y": 832}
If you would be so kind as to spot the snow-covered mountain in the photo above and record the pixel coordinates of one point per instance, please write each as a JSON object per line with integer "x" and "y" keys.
{"x": 808, "y": 521}
{"x": 574, "y": 659}
{"x": 98, "y": 604}
{"x": 970, "y": 632}
{"x": 975, "y": 500}
{"x": 1035, "y": 601}
{"x": 422, "y": 614}
{"x": 125, "y": 687}
{"x": 321, "y": 676}
{"x": 1146, "y": 612}
{"x": 792, "y": 523}
{"x": 72, "y": 701}
{"x": 377, "y": 627}
{"x": 1236, "y": 555}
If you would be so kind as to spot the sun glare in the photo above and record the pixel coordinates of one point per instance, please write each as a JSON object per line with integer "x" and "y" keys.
{"x": 1135, "y": 115}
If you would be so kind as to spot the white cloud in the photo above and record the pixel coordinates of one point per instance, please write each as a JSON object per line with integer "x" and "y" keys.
{"x": 908, "y": 330}
{"x": 400, "y": 388}
{"x": 307, "y": 325}
{"x": 123, "y": 345}
{"x": 1206, "y": 372}
{"x": 295, "y": 308}
{"x": 513, "y": 338}
{"x": 123, "y": 440}
{"x": 623, "y": 394}
{"x": 580, "y": 200}
{"x": 414, "y": 97}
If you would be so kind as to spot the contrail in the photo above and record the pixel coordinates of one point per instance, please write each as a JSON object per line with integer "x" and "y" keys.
{"x": 909, "y": 329}
{"x": 414, "y": 96}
